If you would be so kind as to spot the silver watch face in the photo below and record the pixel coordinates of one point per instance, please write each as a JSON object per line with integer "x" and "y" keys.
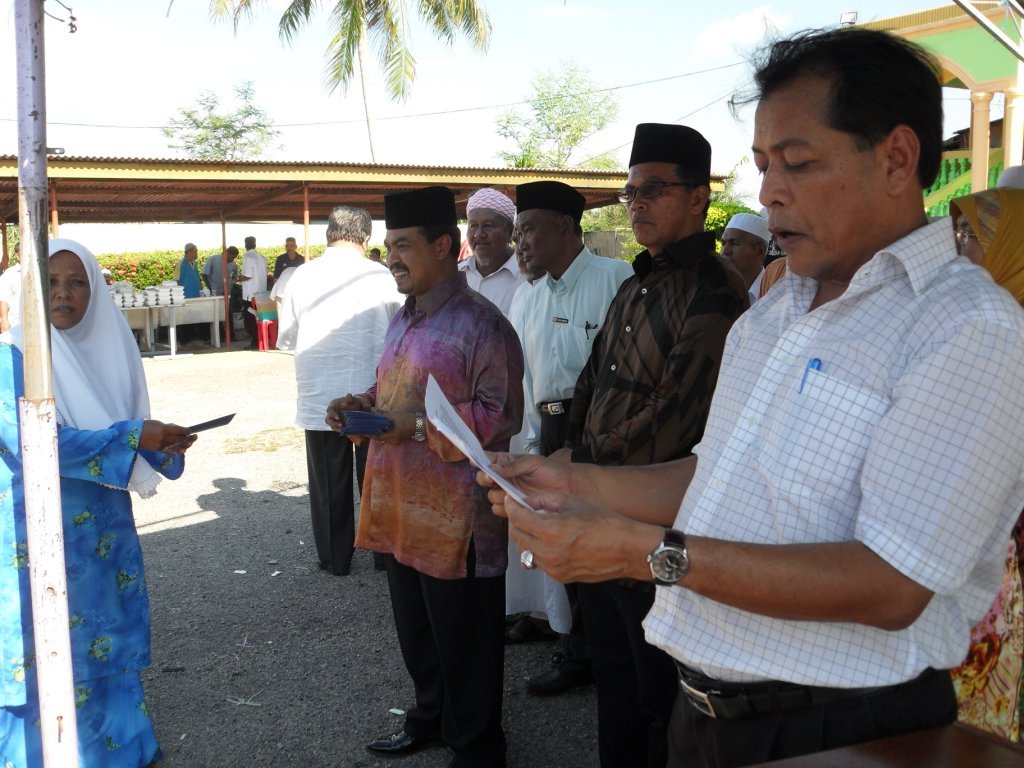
{"x": 669, "y": 564}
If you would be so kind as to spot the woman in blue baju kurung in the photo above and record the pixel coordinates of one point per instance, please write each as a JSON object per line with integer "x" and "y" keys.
{"x": 107, "y": 445}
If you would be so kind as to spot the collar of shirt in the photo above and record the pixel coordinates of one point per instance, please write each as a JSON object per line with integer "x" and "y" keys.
{"x": 571, "y": 275}
{"x": 434, "y": 299}
{"x": 510, "y": 265}
{"x": 918, "y": 257}
{"x": 676, "y": 255}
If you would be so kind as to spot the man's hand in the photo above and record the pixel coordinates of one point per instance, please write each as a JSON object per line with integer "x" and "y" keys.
{"x": 577, "y": 540}
{"x": 169, "y": 438}
{"x": 531, "y": 474}
{"x": 335, "y": 417}
{"x": 404, "y": 424}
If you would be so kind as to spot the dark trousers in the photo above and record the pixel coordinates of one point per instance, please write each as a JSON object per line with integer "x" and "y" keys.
{"x": 452, "y": 636}
{"x": 553, "y": 428}
{"x": 699, "y": 741}
{"x": 331, "y": 495}
{"x": 251, "y": 327}
{"x": 636, "y": 682}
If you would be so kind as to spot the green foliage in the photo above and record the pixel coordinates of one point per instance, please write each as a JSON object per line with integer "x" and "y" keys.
{"x": 615, "y": 218}
{"x": 729, "y": 194}
{"x": 565, "y": 110}
{"x": 720, "y": 213}
{"x": 385, "y": 23}
{"x": 13, "y": 236}
{"x": 205, "y": 134}
{"x": 149, "y": 268}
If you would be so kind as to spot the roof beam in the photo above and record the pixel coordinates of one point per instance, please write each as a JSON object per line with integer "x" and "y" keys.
{"x": 257, "y": 201}
{"x": 1000, "y": 36}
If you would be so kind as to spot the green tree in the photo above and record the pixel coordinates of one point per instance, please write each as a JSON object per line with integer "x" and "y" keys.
{"x": 204, "y": 133}
{"x": 564, "y": 111}
{"x": 386, "y": 23}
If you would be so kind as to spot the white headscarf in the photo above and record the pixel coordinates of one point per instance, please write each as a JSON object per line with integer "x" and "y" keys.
{"x": 98, "y": 378}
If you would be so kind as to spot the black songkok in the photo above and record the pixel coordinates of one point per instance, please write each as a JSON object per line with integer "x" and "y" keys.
{"x": 550, "y": 196}
{"x": 426, "y": 207}
{"x": 678, "y": 144}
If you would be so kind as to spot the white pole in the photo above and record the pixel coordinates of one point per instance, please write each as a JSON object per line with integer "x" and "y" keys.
{"x": 37, "y": 410}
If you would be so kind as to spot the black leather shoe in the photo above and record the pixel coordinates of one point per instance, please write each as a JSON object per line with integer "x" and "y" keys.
{"x": 562, "y": 675}
{"x": 400, "y": 743}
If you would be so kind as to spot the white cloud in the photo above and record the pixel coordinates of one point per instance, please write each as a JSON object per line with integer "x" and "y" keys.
{"x": 738, "y": 35}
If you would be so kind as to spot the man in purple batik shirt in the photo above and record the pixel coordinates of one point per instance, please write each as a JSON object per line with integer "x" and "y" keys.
{"x": 447, "y": 553}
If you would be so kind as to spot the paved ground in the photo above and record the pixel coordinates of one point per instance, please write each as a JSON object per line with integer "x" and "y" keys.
{"x": 260, "y": 658}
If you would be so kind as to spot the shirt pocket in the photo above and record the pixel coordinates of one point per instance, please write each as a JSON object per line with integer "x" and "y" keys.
{"x": 575, "y": 342}
{"x": 814, "y": 443}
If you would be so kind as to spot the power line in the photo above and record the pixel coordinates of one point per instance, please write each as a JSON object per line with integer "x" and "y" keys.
{"x": 455, "y": 111}
{"x": 677, "y": 120}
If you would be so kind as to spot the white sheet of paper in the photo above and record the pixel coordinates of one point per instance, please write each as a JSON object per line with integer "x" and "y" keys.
{"x": 450, "y": 424}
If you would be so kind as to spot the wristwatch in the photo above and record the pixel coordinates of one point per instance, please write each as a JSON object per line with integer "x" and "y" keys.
{"x": 419, "y": 434}
{"x": 670, "y": 561}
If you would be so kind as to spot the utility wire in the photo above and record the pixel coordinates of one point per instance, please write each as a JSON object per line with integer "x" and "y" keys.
{"x": 456, "y": 111}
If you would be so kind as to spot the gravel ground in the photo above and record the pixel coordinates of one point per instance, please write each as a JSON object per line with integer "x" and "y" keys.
{"x": 259, "y": 657}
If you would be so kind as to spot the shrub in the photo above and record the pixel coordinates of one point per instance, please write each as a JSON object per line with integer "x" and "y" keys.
{"x": 148, "y": 268}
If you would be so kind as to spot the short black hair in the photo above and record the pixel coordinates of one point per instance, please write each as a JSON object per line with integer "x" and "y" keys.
{"x": 683, "y": 175}
{"x": 434, "y": 231}
{"x": 250, "y": 243}
{"x": 879, "y": 81}
{"x": 232, "y": 250}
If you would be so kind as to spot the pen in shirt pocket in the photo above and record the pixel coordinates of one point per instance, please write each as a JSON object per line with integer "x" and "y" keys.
{"x": 814, "y": 364}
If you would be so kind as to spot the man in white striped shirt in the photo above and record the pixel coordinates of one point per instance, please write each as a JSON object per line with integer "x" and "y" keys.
{"x": 847, "y": 510}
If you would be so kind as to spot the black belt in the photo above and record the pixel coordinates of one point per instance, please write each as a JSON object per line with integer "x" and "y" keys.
{"x": 555, "y": 407}
{"x": 739, "y": 701}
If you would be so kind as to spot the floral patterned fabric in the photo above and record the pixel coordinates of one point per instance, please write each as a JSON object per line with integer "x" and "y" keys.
{"x": 988, "y": 683}
{"x": 107, "y": 597}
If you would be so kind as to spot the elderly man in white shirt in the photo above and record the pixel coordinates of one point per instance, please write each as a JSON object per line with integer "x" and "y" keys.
{"x": 334, "y": 315}
{"x": 492, "y": 269}
{"x": 254, "y": 280}
{"x": 846, "y": 513}
{"x": 744, "y": 243}
{"x": 560, "y": 318}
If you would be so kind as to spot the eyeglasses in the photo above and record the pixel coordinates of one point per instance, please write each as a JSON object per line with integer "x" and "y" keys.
{"x": 963, "y": 235}
{"x": 648, "y": 190}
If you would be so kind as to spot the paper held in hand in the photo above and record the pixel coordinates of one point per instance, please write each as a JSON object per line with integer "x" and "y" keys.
{"x": 441, "y": 414}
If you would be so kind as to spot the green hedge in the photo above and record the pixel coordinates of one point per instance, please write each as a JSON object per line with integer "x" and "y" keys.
{"x": 148, "y": 268}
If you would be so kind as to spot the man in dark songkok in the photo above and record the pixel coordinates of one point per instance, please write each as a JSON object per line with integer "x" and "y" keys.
{"x": 446, "y": 552}
{"x": 643, "y": 398}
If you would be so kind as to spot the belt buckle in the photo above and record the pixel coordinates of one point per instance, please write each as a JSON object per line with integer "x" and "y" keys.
{"x": 554, "y": 409}
{"x": 700, "y": 700}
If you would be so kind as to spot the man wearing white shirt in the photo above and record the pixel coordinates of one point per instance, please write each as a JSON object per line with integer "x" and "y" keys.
{"x": 561, "y": 318}
{"x": 492, "y": 269}
{"x": 254, "y": 280}
{"x": 334, "y": 315}
{"x": 744, "y": 243}
{"x": 846, "y": 512}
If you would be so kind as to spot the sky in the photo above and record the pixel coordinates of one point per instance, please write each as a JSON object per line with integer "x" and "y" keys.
{"x": 132, "y": 64}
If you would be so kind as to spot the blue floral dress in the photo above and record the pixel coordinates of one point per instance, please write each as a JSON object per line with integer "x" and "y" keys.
{"x": 107, "y": 597}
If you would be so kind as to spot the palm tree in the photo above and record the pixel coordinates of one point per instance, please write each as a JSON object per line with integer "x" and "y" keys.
{"x": 387, "y": 25}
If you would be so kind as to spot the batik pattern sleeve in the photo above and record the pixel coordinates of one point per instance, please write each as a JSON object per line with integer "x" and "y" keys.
{"x": 662, "y": 347}
{"x": 495, "y": 411}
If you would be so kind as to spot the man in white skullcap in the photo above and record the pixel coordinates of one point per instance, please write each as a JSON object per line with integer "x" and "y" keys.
{"x": 492, "y": 269}
{"x": 744, "y": 243}
{"x": 1012, "y": 177}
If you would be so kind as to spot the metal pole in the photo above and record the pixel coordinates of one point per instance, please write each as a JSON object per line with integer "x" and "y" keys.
{"x": 1001, "y": 37}
{"x": 37, "y": 409}
{"x": 305, "y": 221}
{"x": 228, "y": 319}
{"x": 54, "y": 218}
{"x": 4, "y": 258}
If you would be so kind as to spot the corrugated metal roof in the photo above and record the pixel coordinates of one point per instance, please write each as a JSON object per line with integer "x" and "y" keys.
{"x": 134, "y": 189}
